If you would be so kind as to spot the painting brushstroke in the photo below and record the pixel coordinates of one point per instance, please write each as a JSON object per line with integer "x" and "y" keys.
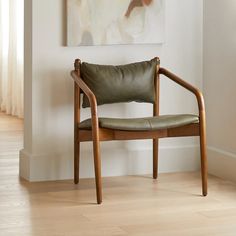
{"x": 106, "y": 22}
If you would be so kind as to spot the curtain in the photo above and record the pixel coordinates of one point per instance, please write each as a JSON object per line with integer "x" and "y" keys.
{"x": 11, "y": 57}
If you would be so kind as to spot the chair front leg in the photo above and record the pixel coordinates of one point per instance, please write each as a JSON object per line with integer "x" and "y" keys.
{"x": 97, "y": 158}
{"x": 97, "y": 168}
{"x": 203, "y": 154}
{"x": 155, "y": 158}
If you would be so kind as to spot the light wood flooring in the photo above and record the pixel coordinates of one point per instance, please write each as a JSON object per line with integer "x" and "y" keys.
{"x": 133, "y": 205}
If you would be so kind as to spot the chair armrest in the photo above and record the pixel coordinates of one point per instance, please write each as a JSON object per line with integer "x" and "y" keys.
{"x": 93, "y": 104}
{"x": 189, "y": 87}
{"x": 83, "y": 86}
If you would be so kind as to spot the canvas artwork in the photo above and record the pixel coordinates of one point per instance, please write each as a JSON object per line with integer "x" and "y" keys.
{"x": 104, "y": 22}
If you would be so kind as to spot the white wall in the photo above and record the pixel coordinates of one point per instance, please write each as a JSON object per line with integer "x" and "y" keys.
{"x": 48, "y": 148}
{"x": 220, "y": 85}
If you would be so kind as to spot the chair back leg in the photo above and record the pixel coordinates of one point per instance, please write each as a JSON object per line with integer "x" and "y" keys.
{"x": 76, "y": 161}
{"x": 155, "y": 158}
{"x": 76, "y": 131}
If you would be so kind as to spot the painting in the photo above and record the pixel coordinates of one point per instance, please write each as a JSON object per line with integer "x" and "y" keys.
{"x": 106, "y": 22}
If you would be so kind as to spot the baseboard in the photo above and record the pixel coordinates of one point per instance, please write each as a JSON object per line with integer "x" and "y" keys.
{"x": 24, "y": 165}
{"x": 114, "y": 163}
{"x": 222, "y": 163}
{"x": 45, "y": 167}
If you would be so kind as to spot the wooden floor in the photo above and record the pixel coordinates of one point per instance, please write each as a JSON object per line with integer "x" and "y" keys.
{"x": 133, "y": 205}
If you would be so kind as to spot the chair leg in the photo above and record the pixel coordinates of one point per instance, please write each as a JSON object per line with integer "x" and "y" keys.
{"x": 97, "y": 168}
{"x": 76, "y": 162}
{"x": 203, "y": 158}
{"x": 155, "y": 158}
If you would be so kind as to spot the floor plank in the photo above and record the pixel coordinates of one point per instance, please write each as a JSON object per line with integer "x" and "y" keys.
{"x": 133, "y": 205}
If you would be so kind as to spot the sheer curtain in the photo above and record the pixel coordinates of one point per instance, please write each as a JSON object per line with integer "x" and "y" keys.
{"x": 11, "y": 57}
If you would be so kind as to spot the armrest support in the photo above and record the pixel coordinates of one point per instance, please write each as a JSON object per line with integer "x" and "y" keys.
{"x": 83, "y": 86}
{"x": 187, "y": 86}
{"x": 93, "y": 104}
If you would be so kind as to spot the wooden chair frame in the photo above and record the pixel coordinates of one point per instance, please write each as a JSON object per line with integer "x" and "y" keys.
{"x": 97, "y": 134}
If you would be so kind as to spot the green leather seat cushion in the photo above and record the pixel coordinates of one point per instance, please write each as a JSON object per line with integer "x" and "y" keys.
{"x": 142, "y": 124}
{"x": 123, "y": 83}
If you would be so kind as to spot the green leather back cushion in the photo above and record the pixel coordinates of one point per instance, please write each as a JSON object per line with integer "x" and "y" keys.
{"x": 123, "y": 83}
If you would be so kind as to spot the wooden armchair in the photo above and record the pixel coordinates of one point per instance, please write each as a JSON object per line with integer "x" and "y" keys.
{"x": 133, "y": 82}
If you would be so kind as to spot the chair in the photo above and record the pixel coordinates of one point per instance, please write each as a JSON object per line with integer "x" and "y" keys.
{"x": 103, "y": 84}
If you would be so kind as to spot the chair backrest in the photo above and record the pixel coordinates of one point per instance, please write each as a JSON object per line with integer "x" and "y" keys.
{"x": 123, "y": 83}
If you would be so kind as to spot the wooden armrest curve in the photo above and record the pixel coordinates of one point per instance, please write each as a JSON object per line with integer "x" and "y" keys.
{"x": 91, "y": 97}
{"x": 186, "y": 85}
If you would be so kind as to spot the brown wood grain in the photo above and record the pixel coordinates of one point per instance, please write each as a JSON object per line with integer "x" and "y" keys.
{"x": 76, "y": 121}
{"x": 202, "y": 122}
{"x": 97, "y": 134}
{"x": 156, "y": 113}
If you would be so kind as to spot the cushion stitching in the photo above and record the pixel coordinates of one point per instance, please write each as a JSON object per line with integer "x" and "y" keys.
{"x": 148, "y": 120}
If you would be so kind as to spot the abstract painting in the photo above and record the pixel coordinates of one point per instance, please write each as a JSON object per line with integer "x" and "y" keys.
{"x": 105, "y": 22}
